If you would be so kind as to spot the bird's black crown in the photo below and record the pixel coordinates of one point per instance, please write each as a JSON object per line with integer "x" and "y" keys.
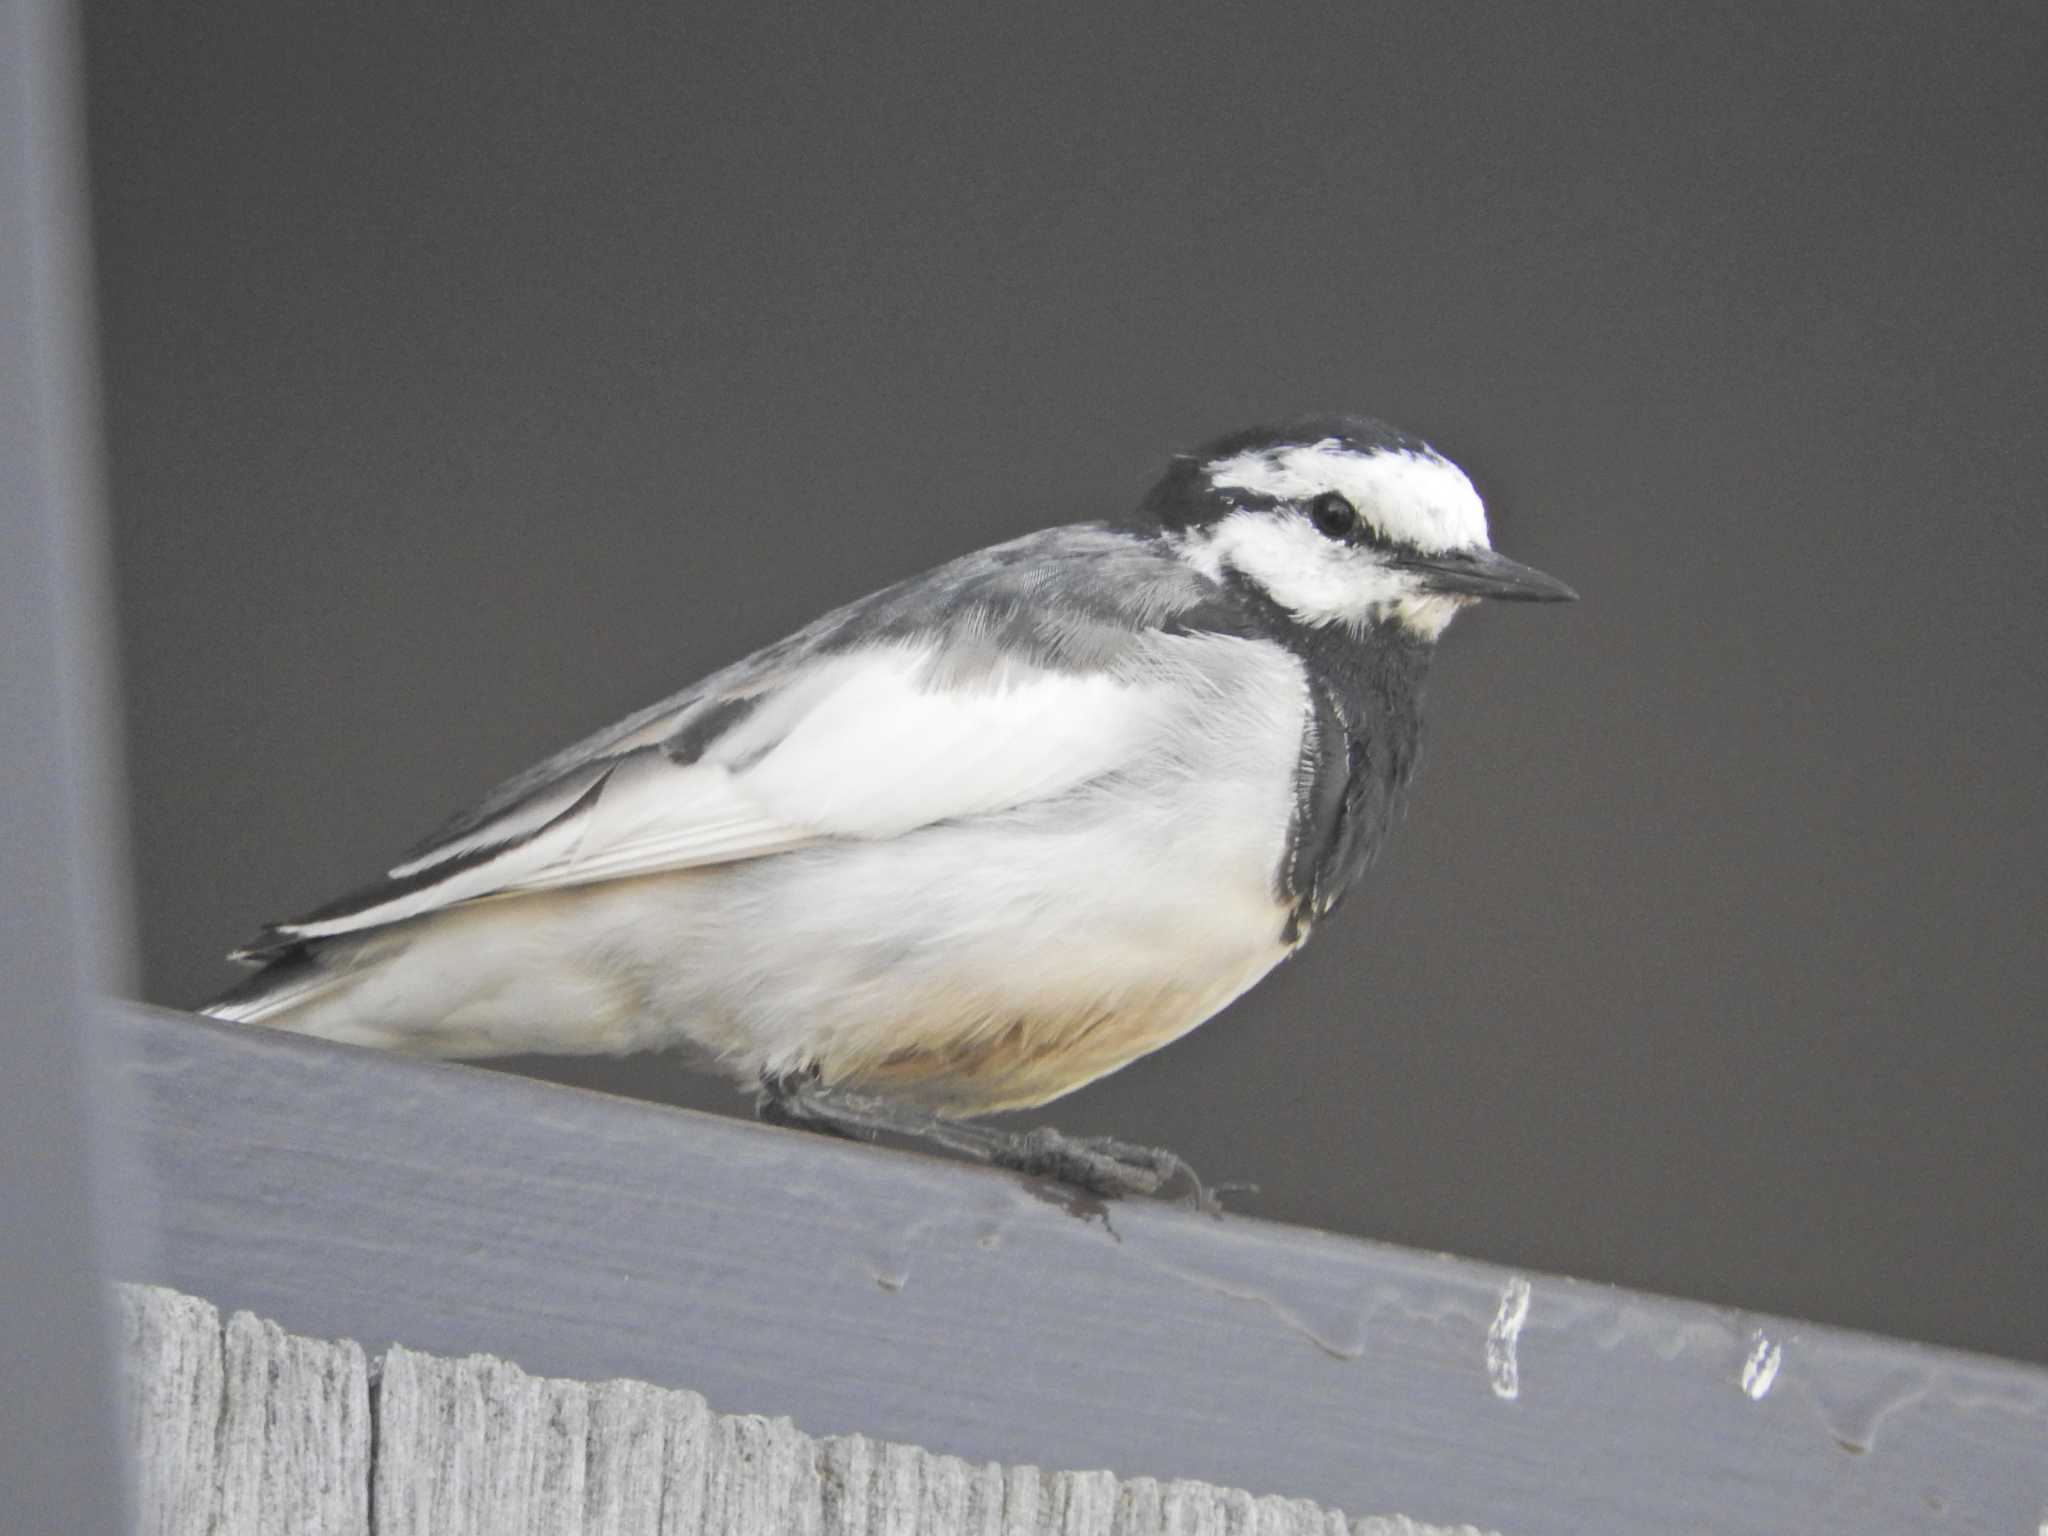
{"x": 1183, "y": 497}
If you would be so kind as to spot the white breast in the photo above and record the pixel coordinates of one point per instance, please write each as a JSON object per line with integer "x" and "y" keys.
{"x": 1126, "y": 911}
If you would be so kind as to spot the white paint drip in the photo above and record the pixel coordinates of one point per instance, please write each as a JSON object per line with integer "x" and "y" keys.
{"x": 1761, "y": 1369}
{"x": 1501, "y": 1339}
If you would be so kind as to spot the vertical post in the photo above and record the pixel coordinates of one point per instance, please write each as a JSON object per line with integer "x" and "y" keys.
{"x": 59, "y": 1466}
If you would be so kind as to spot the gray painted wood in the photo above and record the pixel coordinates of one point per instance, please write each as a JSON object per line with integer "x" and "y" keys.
{"x": 853, "y": 1290}
{"x": 59, "y": 937}
{"x": 248, "y": 1431}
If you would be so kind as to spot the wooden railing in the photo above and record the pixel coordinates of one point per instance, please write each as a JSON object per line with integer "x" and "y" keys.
{"x": 348, "y": 1194}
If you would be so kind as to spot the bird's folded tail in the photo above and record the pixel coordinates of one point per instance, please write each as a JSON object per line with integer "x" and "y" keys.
{"x": 287, "y": 981}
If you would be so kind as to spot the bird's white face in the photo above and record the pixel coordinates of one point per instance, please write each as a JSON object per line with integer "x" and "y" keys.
{"x": 1290, "y": 537}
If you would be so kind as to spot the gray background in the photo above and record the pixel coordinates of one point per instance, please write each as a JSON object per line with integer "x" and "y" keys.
{"x": 475, "y": 379}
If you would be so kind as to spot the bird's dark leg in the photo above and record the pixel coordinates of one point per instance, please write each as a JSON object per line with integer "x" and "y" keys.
{"x": 791, "y": 1101}
{"x": 1101, "y": 1165}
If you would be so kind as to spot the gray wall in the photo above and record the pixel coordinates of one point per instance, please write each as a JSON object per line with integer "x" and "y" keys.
{"x": 474, "y": 380}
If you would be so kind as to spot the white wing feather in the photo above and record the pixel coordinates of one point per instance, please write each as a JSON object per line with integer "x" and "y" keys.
{"x": 862, "y": 745}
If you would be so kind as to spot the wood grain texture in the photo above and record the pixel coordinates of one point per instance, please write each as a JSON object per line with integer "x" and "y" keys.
{"x": 249, "y": 1431}
{"x": 173, "y": 1380}
{"x": 347, "y": 1193}
{"x": 243, "y": 1427}
{"x": 295, "y": 1432}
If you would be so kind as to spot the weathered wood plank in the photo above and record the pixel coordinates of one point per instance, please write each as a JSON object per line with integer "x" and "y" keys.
{"x": 477, "y": 1446}
{"x": 173, "y": 1380}
{"x": 249, "y": 1431}
{"x": 295, "y": 1433}
{"x": 644, "y": 1441}
{"x": 482, "y": 1446}
{"x": 242, "y": 1428}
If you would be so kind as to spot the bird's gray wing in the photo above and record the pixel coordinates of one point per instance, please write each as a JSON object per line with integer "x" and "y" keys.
{"x": 997, "y": 680}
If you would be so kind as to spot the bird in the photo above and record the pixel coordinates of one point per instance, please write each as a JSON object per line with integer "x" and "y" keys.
{"x": 965, "y": 844}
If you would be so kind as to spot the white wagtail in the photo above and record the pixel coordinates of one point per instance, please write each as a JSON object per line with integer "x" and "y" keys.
{"x": 968, "y": 843}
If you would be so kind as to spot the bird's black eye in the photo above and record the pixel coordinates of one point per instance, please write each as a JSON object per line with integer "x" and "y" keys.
{"x": 1334, "y": 517}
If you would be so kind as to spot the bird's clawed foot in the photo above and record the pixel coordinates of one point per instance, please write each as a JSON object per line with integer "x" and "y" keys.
{"x": 1107, "y": 1166}
{"x": 1100, "y": 1165}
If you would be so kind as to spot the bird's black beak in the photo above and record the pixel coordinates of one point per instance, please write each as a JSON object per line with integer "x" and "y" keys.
{"x": 1482, "y": 573}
